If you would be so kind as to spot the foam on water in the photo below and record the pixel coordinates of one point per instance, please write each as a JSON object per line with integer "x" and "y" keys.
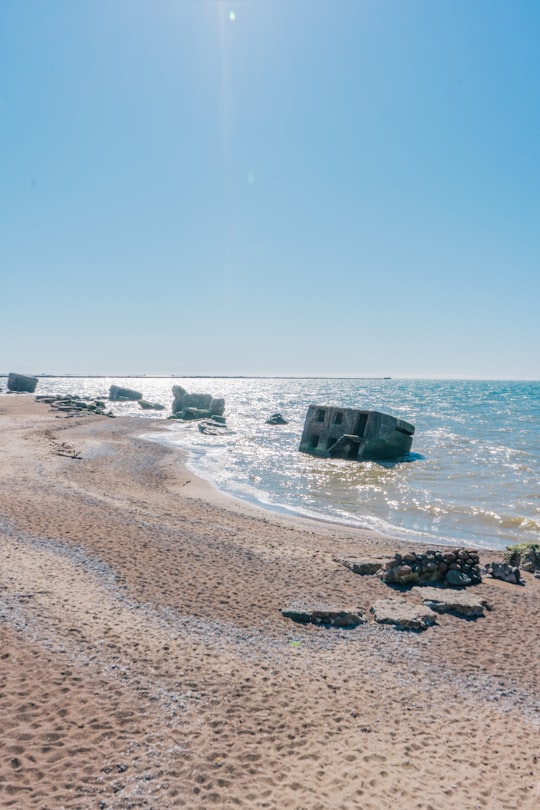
{"x": 473, "y": 476}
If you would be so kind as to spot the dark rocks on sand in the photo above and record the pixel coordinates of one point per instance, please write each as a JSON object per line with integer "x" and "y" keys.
{"x": 457, "y": 579}
{"x": 504, "y": 571}
{"x": 455, "y": 568}
{"x": 325, "y": 616}
{"x": 22, "y": 383}
{"x": 119, "y": 394}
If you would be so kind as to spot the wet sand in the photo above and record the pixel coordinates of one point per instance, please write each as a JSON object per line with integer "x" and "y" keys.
{"x": 145, "y": 662}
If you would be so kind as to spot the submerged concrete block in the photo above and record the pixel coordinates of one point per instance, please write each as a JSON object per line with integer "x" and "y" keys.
{"x": 119, "y": 394}
{"x": 358, "y": 435}
{"x": 21, "y": 382}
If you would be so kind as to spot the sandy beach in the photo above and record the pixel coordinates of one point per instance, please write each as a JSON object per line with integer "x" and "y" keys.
{"x": 145, "y": 662}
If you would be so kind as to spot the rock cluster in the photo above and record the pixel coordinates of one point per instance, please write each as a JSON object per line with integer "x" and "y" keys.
{"x": 72, "y": 403}
{"x": 195, "y": 406}
{"x": 455, "y": 567}
{"x": 525, "y": 556}
{"x": 504, "y": 571}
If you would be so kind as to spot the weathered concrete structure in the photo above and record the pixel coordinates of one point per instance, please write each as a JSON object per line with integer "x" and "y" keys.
{"x": 119, "y": 394}
{"x": 195, "y": 406}
{"x": 358, "y": 435}
{"x": 21, "y": 382}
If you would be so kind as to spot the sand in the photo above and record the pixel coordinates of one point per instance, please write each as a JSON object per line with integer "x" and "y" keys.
{"x": 145, "y": 663}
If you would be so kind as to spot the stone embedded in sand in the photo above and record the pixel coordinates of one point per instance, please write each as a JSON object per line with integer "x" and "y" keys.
{"x": 460, "y": 603}
{"x": 403, "y": 615}
{"x": 364, "y": 566}
{"x": 325, "y": 616}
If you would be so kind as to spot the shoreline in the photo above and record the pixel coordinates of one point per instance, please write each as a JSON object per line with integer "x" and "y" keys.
{"x": 147, "y": 664}
{"x": 290, "y": 513}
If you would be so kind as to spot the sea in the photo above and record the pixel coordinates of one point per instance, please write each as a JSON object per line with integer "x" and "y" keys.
{"x": 472, "y": 477}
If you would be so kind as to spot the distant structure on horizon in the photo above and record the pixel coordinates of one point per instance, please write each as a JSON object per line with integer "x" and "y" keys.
{"x": 357, "y": 435}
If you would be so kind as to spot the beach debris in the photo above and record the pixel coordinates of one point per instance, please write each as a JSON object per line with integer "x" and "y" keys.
{"x": 71, "y": 404}
{"x": 504, "y": 571}
{"x": 62, "y": 448}
{"x": 21, "y": 382}
{"x": 357, "y": 435}
{"x": 365, "y": 566}
{"x": 276, "y": 419}
{"x": 150, "y": 406}
{"x": 459, "y": 603}
{"x": 403, "y": 615}
{"x": 456, "y": 568}
{"x": 524, "y": 555}
{"x": 119, "y": 394}
{"x": 325, "y": 616}
{"x": 195, "y": 406}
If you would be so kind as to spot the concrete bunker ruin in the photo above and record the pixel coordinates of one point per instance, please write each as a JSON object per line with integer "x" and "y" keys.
{"x": 357, "y": 435}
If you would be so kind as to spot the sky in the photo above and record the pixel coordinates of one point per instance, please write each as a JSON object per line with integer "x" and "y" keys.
{"x": 270, "y": 187}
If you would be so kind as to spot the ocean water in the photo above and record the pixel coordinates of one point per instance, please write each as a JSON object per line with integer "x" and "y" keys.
{"x": 473, "y": 475}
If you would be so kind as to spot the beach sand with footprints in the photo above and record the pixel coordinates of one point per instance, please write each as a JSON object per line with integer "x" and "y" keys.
{"x": 145, "y": 661}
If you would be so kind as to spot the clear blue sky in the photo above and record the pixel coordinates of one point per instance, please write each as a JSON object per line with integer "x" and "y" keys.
{"x": 346, "y": 187}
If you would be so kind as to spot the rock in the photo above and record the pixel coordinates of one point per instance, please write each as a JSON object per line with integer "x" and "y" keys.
{"x": 403, "y": 615}
{"x": 524, "y": 555}
{"x": 433, "y": 567}
{"x": 276, "y": 419}
{"x": 325, "y": 616}
{"x": 365, "y": 566}
{"x": 150, "y": 406}
{"x": 460, "y": 603}
{"x": 505, "y": 572}
{"x": 20, "y": 382}
{"x": 457, "y": 579}
{"x": 119, "y": 394}
{"x": 211, "y": 427}
{"x": 189, "y": 414}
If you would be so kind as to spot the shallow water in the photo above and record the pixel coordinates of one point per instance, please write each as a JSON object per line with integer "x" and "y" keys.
{"x": 473, "y": 475}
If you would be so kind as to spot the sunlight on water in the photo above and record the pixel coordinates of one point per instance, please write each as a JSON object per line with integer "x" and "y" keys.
{"x": 474, "y": 471}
